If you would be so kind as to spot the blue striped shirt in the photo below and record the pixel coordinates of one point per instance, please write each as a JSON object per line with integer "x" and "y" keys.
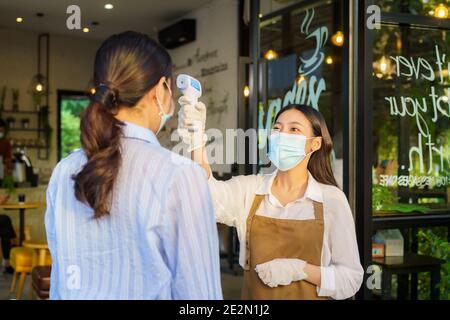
{"x": 160, "y": 240}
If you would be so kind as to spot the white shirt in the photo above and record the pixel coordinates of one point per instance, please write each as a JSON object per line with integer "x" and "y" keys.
{"x": 341, "y": 270}
{"x": 160, "y": 240}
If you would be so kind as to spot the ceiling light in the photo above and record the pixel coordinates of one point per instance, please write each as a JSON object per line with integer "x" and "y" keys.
{"x": 85, "y": 29}
{"x": 19, "y": 19}
{"x": 109, "y": 6}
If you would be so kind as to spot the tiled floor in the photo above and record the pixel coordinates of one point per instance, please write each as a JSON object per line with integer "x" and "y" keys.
{"x": 231, "y": 286}
{"x": 5, "y": 283}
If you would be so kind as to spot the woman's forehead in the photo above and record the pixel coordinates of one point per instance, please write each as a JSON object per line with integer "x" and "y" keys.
{"x": 293, "y": 116}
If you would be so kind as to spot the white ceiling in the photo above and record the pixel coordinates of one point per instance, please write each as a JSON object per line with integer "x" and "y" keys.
{"x": 139, "y": 15}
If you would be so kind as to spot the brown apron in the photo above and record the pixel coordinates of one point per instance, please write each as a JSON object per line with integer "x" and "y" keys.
{"x": 268, "y": 239}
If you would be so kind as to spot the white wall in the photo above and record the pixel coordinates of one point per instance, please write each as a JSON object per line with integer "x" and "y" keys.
{"x": 216, "y": 46}
{"x": 71, "y": 67}
{"x": 71, "y": 63}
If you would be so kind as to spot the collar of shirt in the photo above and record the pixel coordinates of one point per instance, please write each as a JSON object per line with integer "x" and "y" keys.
{"x": 134, "y": 131}
{"x": 312, "y": 192}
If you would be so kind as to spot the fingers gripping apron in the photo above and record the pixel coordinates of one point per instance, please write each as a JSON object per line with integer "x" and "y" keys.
{"x": 268, "y": 239}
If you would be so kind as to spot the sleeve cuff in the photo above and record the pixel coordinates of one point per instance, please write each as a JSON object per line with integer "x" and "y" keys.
{"x": 327, "y": 282}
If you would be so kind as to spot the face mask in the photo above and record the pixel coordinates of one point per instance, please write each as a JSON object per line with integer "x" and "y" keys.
{"x": 164, "y": 116}
{"x": 287, "y": 150}
{"x": 2, "y": 134}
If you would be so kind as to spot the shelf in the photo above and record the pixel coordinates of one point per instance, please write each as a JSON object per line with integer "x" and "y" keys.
{"x": 434, "y": 217}
{"x": 19, "y": 112}
{"x": 29, "y": 147}
{"x": 26, "y": 129}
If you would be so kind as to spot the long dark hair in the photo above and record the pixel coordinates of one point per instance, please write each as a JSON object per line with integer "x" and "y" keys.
{"x": 127, "y": 66}
{"x": 320, "y": 162}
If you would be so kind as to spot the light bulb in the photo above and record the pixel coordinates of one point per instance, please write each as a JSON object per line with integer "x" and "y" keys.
{"x": 441, "y": 12}
{"x": 270, "y": 55}
{"x": 246, "y": 91}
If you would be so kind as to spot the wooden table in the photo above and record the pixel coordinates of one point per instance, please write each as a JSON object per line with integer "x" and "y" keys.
{"x": 410, "y": 263}
{"x": 434, "y": 217}
{"x": 21, "y": 207}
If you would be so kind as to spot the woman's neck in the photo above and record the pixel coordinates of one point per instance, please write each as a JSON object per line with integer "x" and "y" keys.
{"x": 293, "y": 179}
{"x": 134, "y": 115}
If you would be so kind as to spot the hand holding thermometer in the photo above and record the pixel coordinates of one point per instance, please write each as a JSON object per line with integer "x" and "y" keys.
{"x": 190, "y": 88}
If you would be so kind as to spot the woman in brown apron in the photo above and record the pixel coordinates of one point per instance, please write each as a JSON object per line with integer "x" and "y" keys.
{"x": 296, "y": 230}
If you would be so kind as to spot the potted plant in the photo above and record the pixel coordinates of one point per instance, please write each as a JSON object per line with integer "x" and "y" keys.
{"x": 8, "y": 184}
{"x": 384, "y": 200}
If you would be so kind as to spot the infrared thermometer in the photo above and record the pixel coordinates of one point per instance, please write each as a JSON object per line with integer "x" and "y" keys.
{"x": 190, "y": 88}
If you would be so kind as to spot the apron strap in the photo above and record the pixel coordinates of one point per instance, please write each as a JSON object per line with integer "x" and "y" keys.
{"x": 318, "y": 210}
{"x": 256, "y": 202}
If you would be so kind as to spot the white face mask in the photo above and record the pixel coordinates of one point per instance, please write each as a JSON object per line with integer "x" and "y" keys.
{"x": 164, "y": 116}
{"x": 287, "y": 150}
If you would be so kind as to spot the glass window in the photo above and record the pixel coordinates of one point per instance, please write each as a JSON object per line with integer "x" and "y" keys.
{"x": 301, "y": 54}
{"x": 430, "y": 8}
{"x": 412, "y": 114}
{"x": 411, "y": 131}
{"x": 70, "y": 107}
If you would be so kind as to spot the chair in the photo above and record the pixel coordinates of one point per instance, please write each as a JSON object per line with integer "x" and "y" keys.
{"x": 40, "y": 279}
{"x": 23, "y": 259}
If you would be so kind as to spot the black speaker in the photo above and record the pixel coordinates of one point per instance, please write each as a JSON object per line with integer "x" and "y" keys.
{"x": 177, "y": 34}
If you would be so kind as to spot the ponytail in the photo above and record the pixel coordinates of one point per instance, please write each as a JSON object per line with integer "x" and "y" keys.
{"x": 100, "y": 140}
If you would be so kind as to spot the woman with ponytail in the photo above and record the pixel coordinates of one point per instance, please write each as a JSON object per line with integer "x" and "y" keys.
{"x": 296, "y": 231}
{"x": 126, "y": 218}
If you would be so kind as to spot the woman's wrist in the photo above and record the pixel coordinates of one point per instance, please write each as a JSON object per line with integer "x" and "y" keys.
{"x": 199, "y": 155}
{"x": 312, "y": 274}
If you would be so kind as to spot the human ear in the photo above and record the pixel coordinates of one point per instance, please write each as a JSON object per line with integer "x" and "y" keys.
{"x": 316, "y": 143}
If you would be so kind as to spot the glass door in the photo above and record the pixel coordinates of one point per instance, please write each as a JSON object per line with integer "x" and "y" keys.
{"x": 302, "y": 51}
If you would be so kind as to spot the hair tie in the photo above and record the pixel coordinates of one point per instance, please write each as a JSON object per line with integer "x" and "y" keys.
{"x": 106, "y": 95}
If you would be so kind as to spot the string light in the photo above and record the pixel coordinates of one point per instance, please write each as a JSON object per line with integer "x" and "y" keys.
{"x": 338, "y": 39}
{"x": 441, "y": 11}
{"x": 246, "y": 91}
{"x": 270, "y": 55}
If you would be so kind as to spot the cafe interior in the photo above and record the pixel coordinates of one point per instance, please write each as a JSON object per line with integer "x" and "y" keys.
{"x": 391, "y": 160}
